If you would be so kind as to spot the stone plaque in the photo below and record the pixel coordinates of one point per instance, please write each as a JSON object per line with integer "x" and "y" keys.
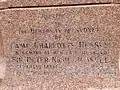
{"x": 61, "y": 48}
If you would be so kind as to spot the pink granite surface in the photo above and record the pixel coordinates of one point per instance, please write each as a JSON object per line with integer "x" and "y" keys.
{"x": 24, "y": 3}
{"x": 14, "y": 3}
{"x": 24, "y": 29}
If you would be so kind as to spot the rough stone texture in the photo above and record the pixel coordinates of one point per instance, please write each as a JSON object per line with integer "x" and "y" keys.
{"x": 23, "y": 3}
{"x": 2, "y": 61}
{"x": 0, "y": 53}
{"x": 53, "y": 2}
{"x": 1, "y": 44}
{"x": 117, "y": 1}
{"x": 90, "y": 42}
{"x": 27, "y": 3}
{"x": 3, "y": 4}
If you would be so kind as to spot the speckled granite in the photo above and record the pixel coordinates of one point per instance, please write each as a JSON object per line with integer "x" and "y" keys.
{"x": 61, "y": 48}
{"x": 53, "y": 2}
{"x": 24, "y": 3}
{"x": 1, "y": 43}
{"x": 3, "y": 4}
{"x": 117, "y": 1}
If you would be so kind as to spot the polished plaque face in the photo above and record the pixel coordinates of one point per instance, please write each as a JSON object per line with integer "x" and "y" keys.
{"x": 45, "y": 45}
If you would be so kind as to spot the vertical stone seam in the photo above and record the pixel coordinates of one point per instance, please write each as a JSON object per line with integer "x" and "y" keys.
{"x": 2, "y": 59}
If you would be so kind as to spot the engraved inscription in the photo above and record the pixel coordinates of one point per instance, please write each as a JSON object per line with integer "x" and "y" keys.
{"x": 64, "y": 58}
{"x": 68, "y": 42}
